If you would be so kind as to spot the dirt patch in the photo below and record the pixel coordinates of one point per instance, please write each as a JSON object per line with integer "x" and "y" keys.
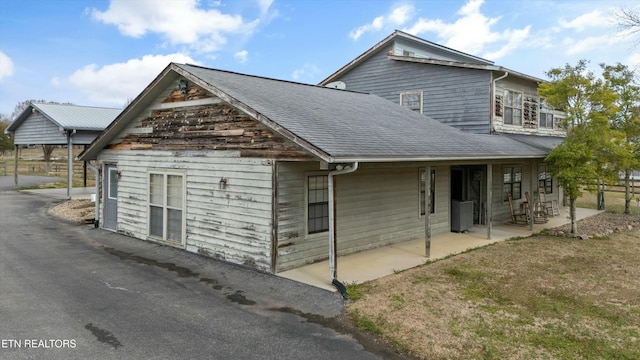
{"x": 80, "y": 211}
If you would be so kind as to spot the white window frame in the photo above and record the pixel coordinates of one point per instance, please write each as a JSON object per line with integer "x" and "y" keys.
{"x": 165, "y": 207}
{"x": 306, "y": 201}
{"x": 508, "y": 99}
{"x": 547, "y": 111}
{"x": 109, "y": 194}
{"x": 420, "y": 100}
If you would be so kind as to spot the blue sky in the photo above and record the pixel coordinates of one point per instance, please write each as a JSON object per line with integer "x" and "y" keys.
{"x": 104, "y": 52}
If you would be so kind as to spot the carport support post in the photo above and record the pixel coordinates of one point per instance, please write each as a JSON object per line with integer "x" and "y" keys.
{"x": 489, "y": 209}
{"x": 427, "y": 211}
{"x": 69, "y": 163}
{"x": 15, "y": 169}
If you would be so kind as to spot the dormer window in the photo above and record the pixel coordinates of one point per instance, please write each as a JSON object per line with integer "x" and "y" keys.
{"x": 412, "y": 100}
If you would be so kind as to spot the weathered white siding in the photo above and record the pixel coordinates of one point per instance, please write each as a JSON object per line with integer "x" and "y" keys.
{"x": 232, "y": 223}
{"x": 528, "y": 90}
{"x": 376, "y": 205}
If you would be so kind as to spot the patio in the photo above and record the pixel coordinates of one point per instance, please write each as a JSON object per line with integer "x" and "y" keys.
{"x": 376, "y": 263}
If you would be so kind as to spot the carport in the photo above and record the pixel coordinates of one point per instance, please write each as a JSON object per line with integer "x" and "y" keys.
{"x": 59, "y": 124}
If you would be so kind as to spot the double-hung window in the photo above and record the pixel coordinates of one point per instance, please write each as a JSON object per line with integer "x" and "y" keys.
{"x": 166, "y": 205}
{"x": 545, "y": 181}
{"x": 423, "y": 191}
{"x": 317, "y": 204}
{"x": 546, "y": 116}
{"x": 512, "y": 182}
{"x": 412, "y": 100}
{"x": 512, "y": 107}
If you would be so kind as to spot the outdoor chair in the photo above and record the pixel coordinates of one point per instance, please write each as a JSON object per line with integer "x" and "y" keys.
{"x": 550, "y": 206}
{"x": 539, "y": 212}
{"x": 516, "y": 217}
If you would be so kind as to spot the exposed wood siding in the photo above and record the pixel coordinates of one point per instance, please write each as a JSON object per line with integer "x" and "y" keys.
{"x": 172, "y": 124}
{"x": 37, "y": 129}
{"x": 455, "y": 96}
{"x": 377, "y": 205}
{"x": 231, "y": 223}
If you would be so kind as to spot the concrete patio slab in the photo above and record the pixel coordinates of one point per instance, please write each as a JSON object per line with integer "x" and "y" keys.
{"x": 376, "y": 263}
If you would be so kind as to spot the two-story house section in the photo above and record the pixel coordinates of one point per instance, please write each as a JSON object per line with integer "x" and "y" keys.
{"x": 459, "y": 89}
{"x": 466, "y": 92}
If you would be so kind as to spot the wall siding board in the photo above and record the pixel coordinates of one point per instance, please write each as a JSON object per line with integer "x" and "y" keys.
{"x": 232, "y": 224}
{"x": 377, "y": 205}
{"x": 456, "y": 96}
{"x": 37, "y": 129}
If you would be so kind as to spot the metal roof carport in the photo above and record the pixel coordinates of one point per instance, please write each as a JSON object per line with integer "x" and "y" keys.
{"x": 59, "y": 124}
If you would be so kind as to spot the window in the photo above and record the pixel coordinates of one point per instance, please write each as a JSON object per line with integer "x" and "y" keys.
{"x": 412, "y": 100}
{"x": 166, "y": 202}
{"x": 546, "y": 116}
{"x": 432, "y": 193}
{"x": 512, "y": 182}
{"x": 318, "y": 204}
{"x": 113, "y": 183}
{"x": 512, "y": 108}
{"x": 545, "y": 181}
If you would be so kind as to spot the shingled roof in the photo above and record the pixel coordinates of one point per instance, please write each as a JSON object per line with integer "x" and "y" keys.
{"x": 335, "y": 125}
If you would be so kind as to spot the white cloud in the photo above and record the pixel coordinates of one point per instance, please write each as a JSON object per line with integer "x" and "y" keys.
{"x": 113, "y": 84}
{"x": 592, "y": 19}
{"x": 472, "y": 32}
{"x": 181, "y": 22}
{"x": 587, "y": 44}
{"x": 398, "y": 16}
{"x": 242, "y": 56}
{"x": 6, "y": 65}
{"x": 307, "y": 72}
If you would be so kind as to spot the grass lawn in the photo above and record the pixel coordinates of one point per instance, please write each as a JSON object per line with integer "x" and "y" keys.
{"x": 539, "y": 297}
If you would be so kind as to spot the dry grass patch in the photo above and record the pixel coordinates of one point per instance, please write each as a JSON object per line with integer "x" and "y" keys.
{"x": 539, "y": 297}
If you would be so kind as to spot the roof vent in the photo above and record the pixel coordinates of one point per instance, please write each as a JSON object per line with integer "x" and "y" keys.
{"x": 340, "y": 85}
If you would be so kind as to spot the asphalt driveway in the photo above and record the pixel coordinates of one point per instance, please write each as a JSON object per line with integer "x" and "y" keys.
{"x": 115, "y": 297}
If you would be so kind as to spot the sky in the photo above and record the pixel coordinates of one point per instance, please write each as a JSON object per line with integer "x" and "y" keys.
{"x": 105, "y": 52}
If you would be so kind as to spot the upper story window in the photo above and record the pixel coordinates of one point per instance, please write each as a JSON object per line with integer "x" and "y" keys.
{"x": 546, "y": 116}
{"x": 412, "y": 100}
{"x": 512, "y": 107}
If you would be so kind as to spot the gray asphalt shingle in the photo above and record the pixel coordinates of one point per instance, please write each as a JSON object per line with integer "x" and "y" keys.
{"x": 346, "y": 124}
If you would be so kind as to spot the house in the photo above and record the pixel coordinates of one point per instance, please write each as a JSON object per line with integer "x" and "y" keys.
{"x": 461, "y": 90}
{"x": 274, "y": 174}
{"x": 59, "y": 124}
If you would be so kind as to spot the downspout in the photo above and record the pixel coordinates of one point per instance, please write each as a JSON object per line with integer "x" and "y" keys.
{"x": 96, "y": 220}
{"x": 493, "y": 101}
{"x": 340, "y": 170}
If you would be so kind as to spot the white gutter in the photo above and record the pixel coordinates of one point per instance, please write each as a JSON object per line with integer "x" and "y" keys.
{"x": 332, "y": 231}
{"x": 493, "y": 100}
{"x": 96, "y": 220}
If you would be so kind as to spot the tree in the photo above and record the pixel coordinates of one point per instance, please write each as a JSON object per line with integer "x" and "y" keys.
{"x": 585, "y": 154}
{"x": 6, "y": 140}
{"x": 626, "y": 121}
{"x": 629, "y": 20}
